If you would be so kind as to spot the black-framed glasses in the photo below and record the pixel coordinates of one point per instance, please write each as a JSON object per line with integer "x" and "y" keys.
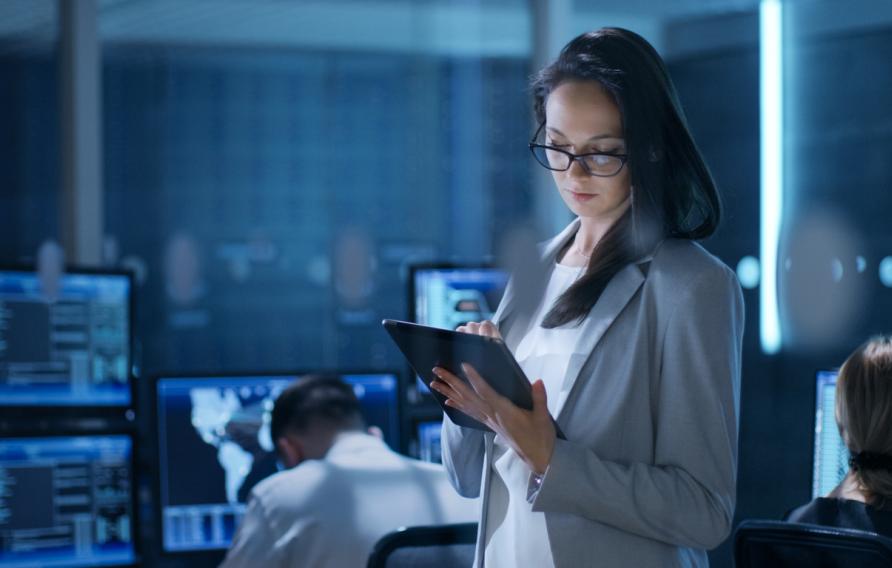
{"x": 594, "y": 163}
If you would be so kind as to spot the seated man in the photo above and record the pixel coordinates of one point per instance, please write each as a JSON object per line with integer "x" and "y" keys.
{"x": 864, "y": 414}
{"x": 344, "y": 488}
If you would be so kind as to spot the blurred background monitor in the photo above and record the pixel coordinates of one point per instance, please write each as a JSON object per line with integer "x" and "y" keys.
{"x": 65, "y": 341}
{"x": 67, "y": 501}
{"x": 215, "y": 446}
{"x": 447, "y": 296}
{"x": 831, "y": 457}
{"x": 428, "y": 434}
{"x": 450, "y": 295}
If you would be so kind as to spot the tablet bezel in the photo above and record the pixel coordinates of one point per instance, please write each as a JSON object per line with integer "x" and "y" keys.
{"x": 513, "y": 385}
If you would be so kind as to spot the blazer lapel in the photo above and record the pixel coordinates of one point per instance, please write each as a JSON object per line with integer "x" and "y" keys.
{"x": 517, "y": 307}
{"x": 616, "y": 295}
{"x": 514, "y": 314}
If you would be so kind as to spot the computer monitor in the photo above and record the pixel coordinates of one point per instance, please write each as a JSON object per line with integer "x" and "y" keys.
{"x": 65, "y": 346}
{"x": 831, "y": 457}
{"x": 429, "y": 441}
{"x": 215, "y": 446}
{"x": 67, "y": 501}
{"x": 450, "y": 295}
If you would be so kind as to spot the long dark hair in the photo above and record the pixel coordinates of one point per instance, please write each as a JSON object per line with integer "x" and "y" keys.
{"x": 673, "y": 192}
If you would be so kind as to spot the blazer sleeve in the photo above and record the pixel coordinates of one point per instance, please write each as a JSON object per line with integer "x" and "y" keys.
{"x": 463, "y": 454}
{"x": 686, "y": 497}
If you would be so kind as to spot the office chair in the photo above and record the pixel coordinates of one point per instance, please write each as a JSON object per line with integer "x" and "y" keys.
{"x": 440, "y": 546}
{"x": 770, "y": 544}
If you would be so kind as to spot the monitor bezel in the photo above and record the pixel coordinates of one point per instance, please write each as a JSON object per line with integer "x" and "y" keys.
{"x": 87, "y": 432}
{"x": 74, "y": 411}
{"x": 216, "y": 555}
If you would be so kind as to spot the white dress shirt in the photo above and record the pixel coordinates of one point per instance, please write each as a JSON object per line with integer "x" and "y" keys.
{"x": 516, "y": 536}
{"x": 331, "y": 512}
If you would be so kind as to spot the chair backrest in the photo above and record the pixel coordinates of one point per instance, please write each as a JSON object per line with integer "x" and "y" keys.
{"x": 780, "y": 544}
{"x": 439, "y": 546}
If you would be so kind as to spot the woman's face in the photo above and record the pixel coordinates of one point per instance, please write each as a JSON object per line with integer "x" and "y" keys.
{"x": 581, "y": 117}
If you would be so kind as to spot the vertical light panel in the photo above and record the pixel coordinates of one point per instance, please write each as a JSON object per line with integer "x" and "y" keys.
{"x": 771, "y": 99}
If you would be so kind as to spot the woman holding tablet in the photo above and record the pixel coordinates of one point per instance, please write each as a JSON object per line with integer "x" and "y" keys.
{"x": 634, "y": 346}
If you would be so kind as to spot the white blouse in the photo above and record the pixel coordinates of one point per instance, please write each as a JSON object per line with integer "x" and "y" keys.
{"x": 515, "y": 535}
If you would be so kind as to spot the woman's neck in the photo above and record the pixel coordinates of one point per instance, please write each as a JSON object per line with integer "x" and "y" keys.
{"x": 592, "y": 229}
{"x": 578, "y": 251}
{"x": 590, "y": 234}
{"x": 849, "y": 489}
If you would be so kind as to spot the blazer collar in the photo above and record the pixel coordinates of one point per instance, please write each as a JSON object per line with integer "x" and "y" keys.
{"x": 509, "y": 318}
{"x": 551, "y": 247}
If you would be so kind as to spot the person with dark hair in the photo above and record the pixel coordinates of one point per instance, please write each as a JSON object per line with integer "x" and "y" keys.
{"x": 343, "y": 488}
{"x": 634, "y": 338}
{"x": 863, "y": 500}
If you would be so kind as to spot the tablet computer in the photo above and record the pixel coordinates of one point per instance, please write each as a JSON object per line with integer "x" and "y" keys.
{"x": 428, "y": 347}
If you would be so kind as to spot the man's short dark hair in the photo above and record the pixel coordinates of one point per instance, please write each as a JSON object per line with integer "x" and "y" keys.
{"x": 316, "y": 400}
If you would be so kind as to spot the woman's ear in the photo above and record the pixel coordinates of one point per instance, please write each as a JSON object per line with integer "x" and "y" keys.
{"x": 290, "y": 450}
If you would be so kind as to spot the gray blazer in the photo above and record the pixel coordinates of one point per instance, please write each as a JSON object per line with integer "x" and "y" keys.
{"x": 647, "y": 474}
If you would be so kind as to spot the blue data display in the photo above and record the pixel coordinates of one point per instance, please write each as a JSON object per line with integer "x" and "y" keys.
{"x": 429, "y": 441}
{"x": 66, "y": 501}
{"x": 223, "y": 425}
{"x": 831, "y": 459}
{"x": 68, "y": 347}
{"x": 448, "y": 298}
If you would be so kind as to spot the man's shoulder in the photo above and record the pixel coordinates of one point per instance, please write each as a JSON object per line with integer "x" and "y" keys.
{"x": 434, "y": 470}
{"x": 293, "y": 487}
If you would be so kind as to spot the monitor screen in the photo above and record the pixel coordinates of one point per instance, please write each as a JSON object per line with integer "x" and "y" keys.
{"x": 66, "y": 501}
{"x": 68, "y": 347}
{"x": 450, "y": 296}
{"x": 215, "y": 446}
{"x": 429, "y": 441}
{"x": 831, "y": 458}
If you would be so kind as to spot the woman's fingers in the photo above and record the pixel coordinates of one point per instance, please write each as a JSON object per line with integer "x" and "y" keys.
{"x": 467, "y": 394}
{"x": 489, "y": 329}
{"x": 460, "y": 389}
{"x": 477, "y": 390}
{"x": 481, "y": 387}
{"x": 470, "y": 411}
{"x": 470, "y": 406}
{"x": 485, "y": 327}
{"x": 443, "y": 388}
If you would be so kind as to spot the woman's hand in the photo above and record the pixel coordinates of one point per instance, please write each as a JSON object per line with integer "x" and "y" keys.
{"x": 530, "y": 433}
{"x": 485, "y": 327}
